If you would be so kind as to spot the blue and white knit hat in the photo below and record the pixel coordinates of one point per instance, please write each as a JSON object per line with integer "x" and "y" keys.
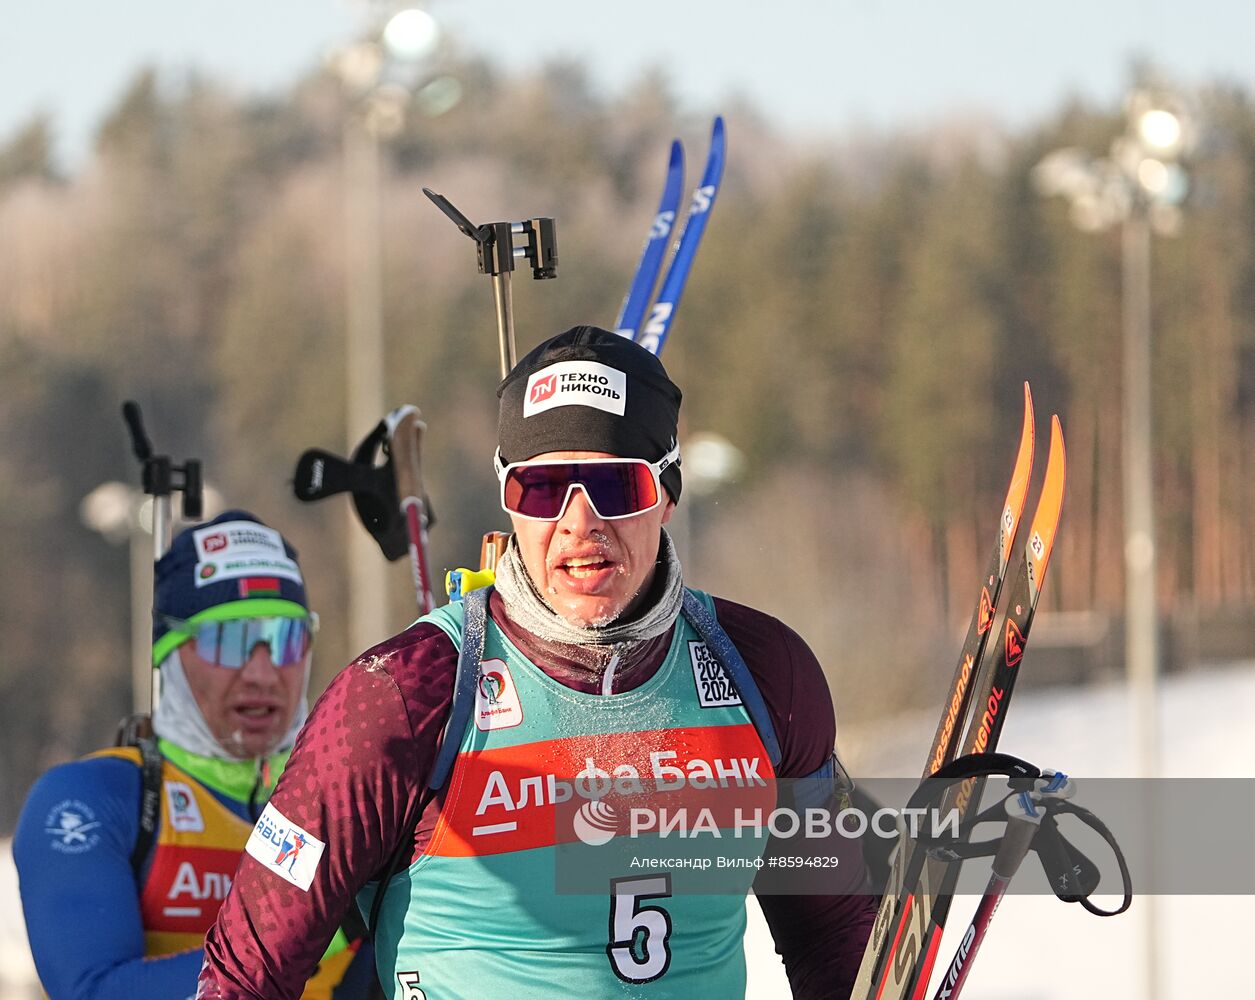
{"x": 232, "y": 567}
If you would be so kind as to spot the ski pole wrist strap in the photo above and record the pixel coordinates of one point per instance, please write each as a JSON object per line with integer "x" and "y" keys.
{"x": 1073, "y": 877}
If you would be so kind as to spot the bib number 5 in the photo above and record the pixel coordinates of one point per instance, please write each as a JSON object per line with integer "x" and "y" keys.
{"x": 409, "y": 986}
{"x": 639, "y": 934}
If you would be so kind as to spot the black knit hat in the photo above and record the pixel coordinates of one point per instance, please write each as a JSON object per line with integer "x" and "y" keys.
{"x": 590, "y": 390}
{"x": 232, "y": 567}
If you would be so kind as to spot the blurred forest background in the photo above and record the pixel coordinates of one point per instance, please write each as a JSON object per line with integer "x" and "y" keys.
{"x": 859, "y": 323}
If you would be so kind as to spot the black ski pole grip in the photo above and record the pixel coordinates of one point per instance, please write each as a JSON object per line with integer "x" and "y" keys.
{"x": 1019, "y": 773}
{"x": 1024, "y": 820}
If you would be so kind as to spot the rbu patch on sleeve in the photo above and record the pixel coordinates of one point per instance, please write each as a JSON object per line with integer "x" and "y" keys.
{"x": 714, "y": 688}
{"x": 285, "y": 848}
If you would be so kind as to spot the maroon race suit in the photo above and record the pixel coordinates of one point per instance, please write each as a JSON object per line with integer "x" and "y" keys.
{"x": 369, "y": 745}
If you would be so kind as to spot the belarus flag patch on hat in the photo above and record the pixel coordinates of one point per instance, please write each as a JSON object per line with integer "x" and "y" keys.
{"x": 260, "y": 586}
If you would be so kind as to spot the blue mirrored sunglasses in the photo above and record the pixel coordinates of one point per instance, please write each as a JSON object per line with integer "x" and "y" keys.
{"x": 230, "y": 643}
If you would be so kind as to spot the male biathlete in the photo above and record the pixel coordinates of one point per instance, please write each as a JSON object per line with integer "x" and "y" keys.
{"x": 125, "y": 856}
{"x": 593, "y": 686}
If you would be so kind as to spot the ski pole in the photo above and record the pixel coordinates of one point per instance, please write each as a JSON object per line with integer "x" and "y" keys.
{"x": 389, "y": 499}
{"x": 1024, "y": 818}
{"x": 160, "y": 477}
{"x": 1030, "y": 814}
{"x": 405, "y": 433}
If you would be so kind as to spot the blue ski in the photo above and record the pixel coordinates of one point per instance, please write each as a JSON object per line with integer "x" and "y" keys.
{"x": 654, "y": 334}
{"x": 642, "y": 291}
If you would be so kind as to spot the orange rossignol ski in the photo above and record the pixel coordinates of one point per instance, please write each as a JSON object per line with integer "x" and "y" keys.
{"x": 916, "y": 888}
{"x": 951, "y": 725}
{"x": 995, "y": 696}
{"x": 957, "y": 704}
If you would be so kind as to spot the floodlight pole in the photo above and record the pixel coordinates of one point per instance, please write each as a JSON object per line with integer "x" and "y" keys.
{"x": 1142, "y": 637}
{"x": 1139, "y": 186}
{"x": 1141, "y": 628}
{"x": 364, "y": 358}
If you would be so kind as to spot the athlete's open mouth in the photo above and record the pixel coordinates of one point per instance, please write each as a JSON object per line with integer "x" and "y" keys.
{"x": 584, "y": 567}
{"x": 256, "y": 716}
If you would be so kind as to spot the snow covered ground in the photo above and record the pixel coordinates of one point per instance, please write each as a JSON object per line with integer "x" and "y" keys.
{"x": 1037, "y": 948}
{"x": 17, "y": 971}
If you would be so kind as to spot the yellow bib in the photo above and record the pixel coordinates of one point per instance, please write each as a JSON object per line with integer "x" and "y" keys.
{"x": 198, "y": 846}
